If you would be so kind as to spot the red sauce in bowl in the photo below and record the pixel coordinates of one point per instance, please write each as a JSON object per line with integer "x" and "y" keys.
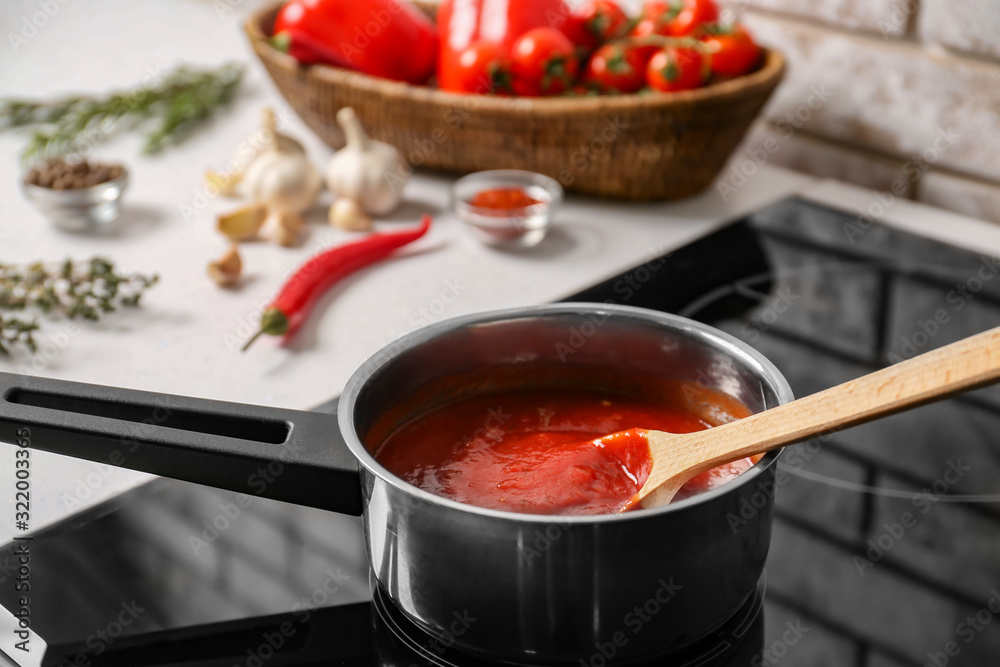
{"x": 503, "y": 200}
{"x": 531, "y": 451}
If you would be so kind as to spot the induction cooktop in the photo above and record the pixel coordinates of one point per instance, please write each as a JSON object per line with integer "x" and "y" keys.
{"x": 886, "y": 543}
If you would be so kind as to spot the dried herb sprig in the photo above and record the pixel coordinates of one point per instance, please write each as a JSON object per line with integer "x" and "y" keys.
{"x": 86, "y": 290}
{"x": 14, "y": 331}
{"x": 180, "y": 101}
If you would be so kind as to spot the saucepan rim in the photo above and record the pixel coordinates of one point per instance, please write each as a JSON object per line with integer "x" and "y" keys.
{"x": 727, "y": 343}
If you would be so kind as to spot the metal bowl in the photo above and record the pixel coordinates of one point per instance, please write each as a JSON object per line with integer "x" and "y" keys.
{"x": 80, "y": 210}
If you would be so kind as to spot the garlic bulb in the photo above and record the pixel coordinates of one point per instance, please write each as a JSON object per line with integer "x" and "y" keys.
{"x": 227, "y": 182}
{"x": 370, "y": 172}
{"x": 282, "y": 181}
{"x": 280, "y": 176}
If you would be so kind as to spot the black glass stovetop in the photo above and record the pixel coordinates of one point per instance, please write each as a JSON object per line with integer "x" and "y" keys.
{"x": 886, "y": 544}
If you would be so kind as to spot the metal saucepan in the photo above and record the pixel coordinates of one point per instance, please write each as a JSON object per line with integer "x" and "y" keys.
{"x": 523, "y": 588}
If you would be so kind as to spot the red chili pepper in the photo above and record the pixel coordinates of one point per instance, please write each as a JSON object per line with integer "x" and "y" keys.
{"x": 462, "y": 23}
{"x": 289, "y": 310}
{"x": 391, "y": 39}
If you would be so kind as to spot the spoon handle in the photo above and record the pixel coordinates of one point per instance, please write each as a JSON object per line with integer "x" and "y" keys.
{"x": 959, "y": 367}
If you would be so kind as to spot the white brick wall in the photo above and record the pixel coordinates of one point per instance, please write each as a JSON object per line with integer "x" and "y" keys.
{"x": 805, "y": 152}
{"x": 974, "y": 198}
{"x": 913, "y": 88}
{"x": 966, "y": 25}
{"x": 889, "y": 17}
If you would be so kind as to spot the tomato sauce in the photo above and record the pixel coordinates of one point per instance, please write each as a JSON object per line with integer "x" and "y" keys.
{"x": 533, "y": 451}
{"x": 503, "y": 199}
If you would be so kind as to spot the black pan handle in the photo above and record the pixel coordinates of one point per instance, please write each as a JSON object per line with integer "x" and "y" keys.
{"x": 290, "y": 455}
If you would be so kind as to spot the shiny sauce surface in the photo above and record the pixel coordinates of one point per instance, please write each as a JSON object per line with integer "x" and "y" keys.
{"x": 503, "y": 199}
{"x": 533, "y": 451}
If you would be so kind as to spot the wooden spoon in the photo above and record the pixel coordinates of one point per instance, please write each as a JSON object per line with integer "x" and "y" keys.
{"x": 962, "y": 366}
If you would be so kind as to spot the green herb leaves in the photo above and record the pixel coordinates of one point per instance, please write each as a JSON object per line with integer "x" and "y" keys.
{"x": 178, "y": 102}
{"x": 86, "y": 290}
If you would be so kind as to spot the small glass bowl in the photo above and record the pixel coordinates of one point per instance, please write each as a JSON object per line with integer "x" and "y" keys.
{"x": 507, "y": 228}
{"x": 81, "y": 209}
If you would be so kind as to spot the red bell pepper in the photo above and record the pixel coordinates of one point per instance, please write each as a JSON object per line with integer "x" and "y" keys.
{"x": 391, "y": 39}
{"x": 462, "y": 23}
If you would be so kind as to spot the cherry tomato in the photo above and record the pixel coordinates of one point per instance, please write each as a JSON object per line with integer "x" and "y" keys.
{"x": 616, "y": 68}
{"x": 484, "y": 67}
{"x": 733, "y": 50}
{"x": 693, "y": 15}
{"x": 462, "y": 22}
{"x": 656, "y": 16}
{"x": 673, "y": 69}
{"x": 675, "y": 18}
{"x": 595, "y": 22}
{"x": 544, "y": 63}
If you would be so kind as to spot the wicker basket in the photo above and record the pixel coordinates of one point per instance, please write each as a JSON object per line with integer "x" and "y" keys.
{"x": 640, "y": 147}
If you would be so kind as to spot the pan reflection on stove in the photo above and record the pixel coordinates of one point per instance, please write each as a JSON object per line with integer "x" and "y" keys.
{"x": 397, "y": 642}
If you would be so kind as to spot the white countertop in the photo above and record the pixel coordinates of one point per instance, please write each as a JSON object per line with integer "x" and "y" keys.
{"x": 184, "y": 338}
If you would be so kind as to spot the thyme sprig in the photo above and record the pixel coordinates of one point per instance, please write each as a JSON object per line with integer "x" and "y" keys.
{"x": 14, "y": 330}
{"x": 86, "y": 290}
{"x": 179, "y": 102}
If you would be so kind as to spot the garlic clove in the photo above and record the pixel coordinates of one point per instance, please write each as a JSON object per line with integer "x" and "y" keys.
{"x": 243, "y": 223}
{"x": 226, "y": 270}
{"x": 347, "y": 214}
{"x": 286, "y": 228}
{"x": 222, "y": 182}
